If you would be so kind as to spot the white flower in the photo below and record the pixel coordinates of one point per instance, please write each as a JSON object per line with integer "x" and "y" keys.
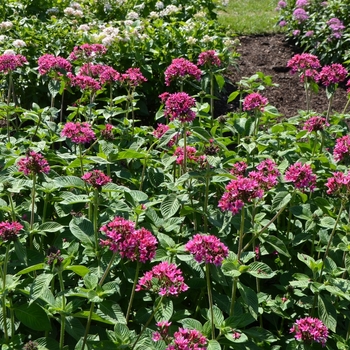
{"x": 79, "y": 13}
{"x": 9, "y": 52}
{"x": 159, "y": 5}
{"x": 128, "y": 22}
{"x": 225, "y": 2}
{"x": 169, "y": 10}
{"x": 2, "y": 38}
{"x": 107, "y": 41}
{"x": 206, "y": 39}
{"x": 153, "y": 15}
{"x": 191, "y": 40}
{"x": 69, "y": 11}
{"x": 84, "y": 28}
{"x": 132, "y": 15}
{"x": 6, "y": 25}
{"x": 76, "y": 6}
{"x": 19, "y": 43}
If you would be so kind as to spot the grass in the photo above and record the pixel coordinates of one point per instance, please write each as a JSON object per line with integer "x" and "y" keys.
{"x": 250, "y": 16}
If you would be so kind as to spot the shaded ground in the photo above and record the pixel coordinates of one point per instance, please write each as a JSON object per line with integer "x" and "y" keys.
{"x": 269, "y": 54}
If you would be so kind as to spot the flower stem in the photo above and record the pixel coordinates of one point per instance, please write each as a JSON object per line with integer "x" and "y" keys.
{"x": 185, "y": 149}
{"x": 330, "y": 101}
{"x": 133, "y": 291}
{"x": 210, "y": 299}
{"x": 148, "y": 322}
{"x": 4, "y": 274}
{"x": 63, "y": 316}
{"x": 211, "y": 99}
{"x": 206, "y": 198}
{"x": 95, "y": 219}
{"x": 8, "y": 105}
{"x": 32, "y": 211}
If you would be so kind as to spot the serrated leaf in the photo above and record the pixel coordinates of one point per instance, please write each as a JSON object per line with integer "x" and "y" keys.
{"x": 192, "y": 323}
{"x": 165, "y": 311}
{"x": 50, "y": 226}
{"x": 78, "y": 269}
{"x": 260, "y": 270}
{"x": 82, "y": 229}
{"x": 33, "y": 317}
{"x": 327, "y": 313}
{"x": 250, "y": 299}
{"x": 31, "y": 269}
{"x": 169, "y": 206}
{"x": 71, "y": 198}
{"x": 280, "y": 200}
{"x": 40, "y": 285}
{"x": 69, "y": 181}
{"x": 94, "y": 317}
{"x": 213, "y": 345}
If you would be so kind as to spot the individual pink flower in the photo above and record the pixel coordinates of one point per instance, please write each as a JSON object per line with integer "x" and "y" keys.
{"x": 303, "y": 62}
{"x": 165, "y": 279}
{"x": 53, "y": 64}
{"x": 302, "y": 176}
{"x": 179, "y": 106}
{"x": 300, "y": 15}
{"x": 132, "y": 77}
{"x": 9, "y": 230}
{"x": 316, "y": 123}
{"x": 238, "y": 192}
{"x": 78, "y": 132}
{"x": 254, "y": 102}
{"x": 332, "y": 74}
{"x": 10, "y": 62}
{"x": 87, "y": 52}
{"x": 180, "y": 68}
{"x": 33, "y": 163}
{"x": 190, "y": 154}
{"x": 266, "y": 174}
{"x": 341, "y": 150}
{"x": 339, "y": 184}
{"x": 96, "y": 178}
{"x": 208, "y": 249}
{"x": 208, "y": 58}
{"x": 309, "y": 330}
{"x": 188, "y": 339}
{"x": 239, "y": 168}
{"x": 107, "y": 132}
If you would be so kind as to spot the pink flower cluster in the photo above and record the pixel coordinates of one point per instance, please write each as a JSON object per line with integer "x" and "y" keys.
{"x": 178, "y": 106}
{"x": 316, "y": 123}
{"x": 302, "y": 176}
{"x": 49, "y": 63}
{"x": 181, "y": 68}
{"x": 332, "y": 74}
{"x": 160, "y": 130}
{"x": 84, "y": 82}
{"x": 309, "y": 330}
{"x": 302, "y": 3}
{"x": 10, "y": 62}
{"x": 9, "y": 230}
{"x": 341, "y": 150}
{"x": 135, "y": 245}
{"x": 254, "y": 102}
{"x": 132, "y": 77}
{"x": 107, "y": 133}
{"x": 188, "y": 339}
{"x": 87, "y": 52}
{"x": 239, "y": 168}
{"x": 78, "y": 132}
{"x": 165, "y": 279}
{"x": 303, "y": 62}
{"x": 190, "y": 154}
{"x": 163, "y": 332}
{"x": 208, "y": 249}
{"x": 208, "y": 58}
{"x": 266, "y": 175}
{"x": 33, "y": 163}
{"x": 96, "y": 178}
{"x": 238, "y": 192}
{"x": 339, "y": 184}
{"x": 300, "y": 15}
{"x": 337, "y": 27}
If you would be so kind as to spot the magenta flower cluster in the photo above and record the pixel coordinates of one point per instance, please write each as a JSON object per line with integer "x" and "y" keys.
{"x": 341, "y": 151}
{"x": 33, "y": 163}
{"x": 316, "y": 123}
{"x": 135, "y": 245}
{"x": 339, "y": 184}
{"x": 266, "y": 174}
{"x": 178, "y": 106}
{"x": 165, "y": 279}
{"x": 254, "y": 102}
{"x": 10, "y": 62}
{"x": 53, "y": 64}
{"x": 309, "y": 330}
{"x": 208, "y": 249}
{"x": 301, "y": 176}
{"x": 87, "y": 52}
{"x": 301, "y": 3}
{"x": 96, "y": 178}
{"x": 300, "y": 15}
{"x": 107, "y": 132}
{"x": 238, "y": 192}
{"x": 78, "y": 132}
{"x": 337, "y": 27}
{"x": 332, "y": 74}
{"x": 132, "y": 77}
{"x": 84, "y": 82}
{"x": 303, "y": 62}
{"x": 188, "y": 339}
{"x": 9, "y": 230}
{"x": 190, "y": 154}
{"x": 239, "y": 168}
{"x": 208, "y": 58}
{"x": 181, "y": 68}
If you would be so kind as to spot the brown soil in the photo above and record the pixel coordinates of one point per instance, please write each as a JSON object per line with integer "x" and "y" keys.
{"x": 269, "y": 54}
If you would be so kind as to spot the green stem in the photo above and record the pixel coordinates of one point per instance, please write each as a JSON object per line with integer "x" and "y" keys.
{"x": 81, "y": 159}
{"x": 133, "y": 291}
{"x": 210, "y": 299}
{"x": 4, "y": 273}
{"x": 211, "y": 99}
{"x": 8, "y": 105}
{"x": 148, "y": 322}
{"x": 63, "y": 316}
{"x": 61, "y": 109}
{"x": 206, "y": 199}
{"x": 306, "y": 87}
{"x": 346, "y": 106}
{"x": 185, "y": 149}
{"x": 13, "y": 212}
{"x": 330, "y": 101}
{"x": 32, "y": 211}
{"x": 37, "y": 126}
{"x": 95, "y": 220}
{"x": 12, "y": 315}
{"x": 145, "y": 164}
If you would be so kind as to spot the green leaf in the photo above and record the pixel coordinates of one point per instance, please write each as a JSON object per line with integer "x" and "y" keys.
{"x": 327, "y": 313}
{"x": 69, "y": 181}
{"x": 242, "y": 339}
{"x": 54, "y": 87}
{"x": 131, "y": 154}
{"x": 90, "y": 281}
{"x": 70, "y": 198}
{"x": 260, "y": 270}
{"x": 31, "y": 269}
{"x": 82, "y": 229}
{"x": 250, "y": 299}
{"x": 169, "y": 206}
{"x": 94, "y": 317}
{"x": 232, "y": 96}
{"x": 280, "y": 200}
{"x": 40, "y": 285}
{"x": 50, "y": 226}
{"x": 213, "y": 345}
{"x": 220, "y": 81}
{"x": 191, "y": 323}
{"x": 33, "y": 317}
{"x": 277, "y": 244}
{"x": 78, "y": 269}
{"x": 218, "y": 316}
{"x": 165, "y": 311}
